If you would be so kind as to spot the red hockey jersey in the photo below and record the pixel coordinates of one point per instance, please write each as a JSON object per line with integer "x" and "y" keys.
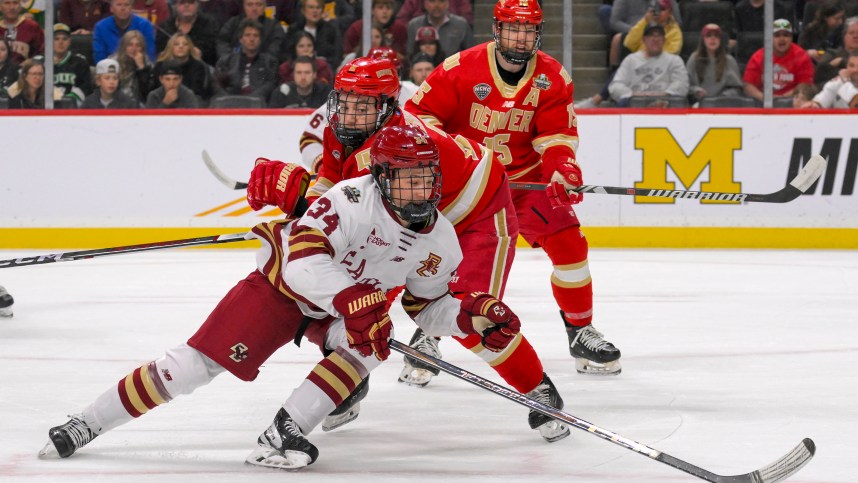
{"x": 466, "y": 96}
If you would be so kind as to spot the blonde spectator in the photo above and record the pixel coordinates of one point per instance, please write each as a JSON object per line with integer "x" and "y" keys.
{"x": 194, "y": 72}
{"x": 135, "y": 75}
{"x": 711, "y": 70}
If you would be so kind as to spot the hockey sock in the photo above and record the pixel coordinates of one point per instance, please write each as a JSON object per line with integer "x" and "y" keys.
{"x": 570, "y": 282}
{"x": 518, "y": 364}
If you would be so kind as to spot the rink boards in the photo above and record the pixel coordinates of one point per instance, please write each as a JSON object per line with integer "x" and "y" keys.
{"x": 86, "y": 181}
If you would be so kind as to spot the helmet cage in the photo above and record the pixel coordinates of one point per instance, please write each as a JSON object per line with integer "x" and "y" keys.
{"x": 513, "y": 55}
{"x": 409, "y": 210}
{"x": 356, "y": 135}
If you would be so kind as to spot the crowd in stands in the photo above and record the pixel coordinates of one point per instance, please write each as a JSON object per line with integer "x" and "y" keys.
{"x": 710, "y": 53}
{"x": 285, "y": 53}
{"x": 215, "y": 53}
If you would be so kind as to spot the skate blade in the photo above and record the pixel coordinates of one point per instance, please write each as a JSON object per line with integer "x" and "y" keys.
{"x": 271, "y": 458}
{"x": 585, "y": 366}
{"x": 554, "y": 431}
{"x": 415, "y": 377}
{"x": 334, "y": 422}
{"x": 49, "y": 452}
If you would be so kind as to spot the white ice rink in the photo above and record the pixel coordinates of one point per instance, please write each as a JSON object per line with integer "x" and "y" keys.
{"x": 730, "y": 358}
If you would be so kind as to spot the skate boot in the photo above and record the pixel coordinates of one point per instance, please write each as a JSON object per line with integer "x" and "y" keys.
{"x": 592, "y": 353}
{"x": 283, "y": 446}
{"x": 349, "y": 409}
{"x": 416, "y": 373}
{"x": 6, "y": 302}
{"x": 550, "y": 429}
{"x": 67, "y": 438}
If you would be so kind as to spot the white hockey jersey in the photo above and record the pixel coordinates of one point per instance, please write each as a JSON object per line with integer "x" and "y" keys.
{"x": 348, "y": 236}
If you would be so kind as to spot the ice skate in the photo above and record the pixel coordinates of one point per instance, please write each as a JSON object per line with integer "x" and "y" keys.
{"x": 283, "y": 446}
{"x": 349, "y": 409}
{"x": 550, "y": 429}
{"x": 592, "y": 353}
{"x": 67, "y": 438}
{"x": 416, "y": 373}
{"x": 6, "y": 302}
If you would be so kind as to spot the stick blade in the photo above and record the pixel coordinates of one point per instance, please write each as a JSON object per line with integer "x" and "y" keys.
{"x": 220, "y": 175}
{"x": 809, "y": 173}
{"x": 780, "y": 469}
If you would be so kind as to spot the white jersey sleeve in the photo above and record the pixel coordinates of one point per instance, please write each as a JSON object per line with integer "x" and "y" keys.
{"x": 310, "y": 143}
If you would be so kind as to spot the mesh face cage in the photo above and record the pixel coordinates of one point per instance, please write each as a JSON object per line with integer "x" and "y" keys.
{"x": 413, "y": 205}
{"x": 349, "y": 120}
{"x": 513, "y": 55}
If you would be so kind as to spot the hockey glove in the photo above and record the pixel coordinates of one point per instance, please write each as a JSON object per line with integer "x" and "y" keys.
{"x": 483, "y": 314}
{"x": 276, "y": 183}
{"x": 562, "y": 176}
{"x": 364, "y": 310}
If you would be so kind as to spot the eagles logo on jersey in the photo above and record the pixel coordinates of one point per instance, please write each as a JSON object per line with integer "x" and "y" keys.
{"x": 352, "y": 193}
{"x": 430, "y": 266}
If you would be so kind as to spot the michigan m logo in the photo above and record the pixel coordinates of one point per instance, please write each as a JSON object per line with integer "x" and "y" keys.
{"x": 661, "y": 150}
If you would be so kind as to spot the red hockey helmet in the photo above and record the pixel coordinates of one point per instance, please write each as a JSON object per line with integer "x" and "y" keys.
{"x": 526, "y": 12}
{"x": 375, "y": 79}
{"x": 406, "y": 169}
{"x": 384, "y": 53}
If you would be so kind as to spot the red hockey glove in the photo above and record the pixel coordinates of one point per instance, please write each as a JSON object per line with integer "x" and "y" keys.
{"x": 562, "y": 174}
{"x": 485, "y": 315}
{"x": 276, "y": 183}
{"x": 364, "y": 309}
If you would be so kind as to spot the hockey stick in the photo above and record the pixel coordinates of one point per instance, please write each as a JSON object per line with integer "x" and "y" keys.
{"x": 802, "y": 181}
{"x": 100, "y": 252}
{"x": 779, "y": 470}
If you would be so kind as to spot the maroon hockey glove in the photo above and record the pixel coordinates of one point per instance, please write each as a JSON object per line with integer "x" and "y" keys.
{"x": 483, "y": 314}
{"x": 562, "y": 174}
{"x": 276, "y": 183}
{"x": 364, "y": 309}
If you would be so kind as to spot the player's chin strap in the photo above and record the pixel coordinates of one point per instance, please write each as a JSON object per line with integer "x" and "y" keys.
{"x": 779, "y": 470}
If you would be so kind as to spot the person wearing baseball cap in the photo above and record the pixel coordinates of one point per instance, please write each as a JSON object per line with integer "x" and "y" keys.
{"x": 172, "y": 94}
{"x": 71, "y": 70}
{"x": 660, "y": 14}
{"x": 427, "y": 42}
{"x": 792, "y": 65}
{"x": 711, "y": 70}
{"x": 107, "y": 95}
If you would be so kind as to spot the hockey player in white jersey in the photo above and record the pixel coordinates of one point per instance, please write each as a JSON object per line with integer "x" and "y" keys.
{"x": 325, "y": 277}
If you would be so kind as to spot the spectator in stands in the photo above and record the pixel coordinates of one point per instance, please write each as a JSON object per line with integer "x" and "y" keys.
{"x": 24, "y": 35}
{"x": 172, "y": 94}
{"x": 200, "y": 27}
{"x": 649, "y": 72}
{"x": 27, "y": 92}
{"x": 340, "y": 13}
{"x": 711, "y": 70}
{"x": 426, "y": 42}
{"x": 803, "y": 95}
{"x": 421, "y": 67}
{"x": 327, "y": 35}
{"x": 841, "y": 91}
{"x": 305, "y": 46}
{"x": 155, "y": 11}
{"x": 105, "y": 38}
{"x": 376, "y": 40}
{"x": 824, "y": 32}
{"x": 661, "y": 13}
{"x": 107, "y": 95}
{"x": 82, "y": 15}
{"x": 792, "y": 65}
{"x": 71, "y": 70}
{"x": 250, "y": 71}
{"x": 414, "y": 8}
{"x": 748, "y": 14}
{"x": 835, "y": 60}
{"x": 135, "y": 73}
{"x": 394, "y": 31}
{"x": 8, "y": 68}
{"x": 271, "y": 32}
{"x": 625, "y": 14}
{"x": 304, "y": 92}
{"x": 194, "y": 72}
{"x": 221, "y": 10}
{"x": 454, "y": 32}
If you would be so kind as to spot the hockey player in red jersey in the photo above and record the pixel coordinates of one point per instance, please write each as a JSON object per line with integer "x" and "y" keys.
{"x": 345, "y": 242}
{"x": 517, "y": 100}
{"x": 475, "y": 198}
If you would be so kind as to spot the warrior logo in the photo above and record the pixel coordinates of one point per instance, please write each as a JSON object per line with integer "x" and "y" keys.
{"x": 376, "y": 240}
{"x": 542, "y": 82}
{"x": 352, "y": 193}
{"x": 239, "y": 352}
{"x": 482, "y": 91}
{"x": 430, "y": 266}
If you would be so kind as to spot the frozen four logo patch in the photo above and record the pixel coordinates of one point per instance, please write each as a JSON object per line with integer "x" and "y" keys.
{"x": 482, "y": 91}
{"x": 542, "y": 82}
{"x": 352, "y": 193}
